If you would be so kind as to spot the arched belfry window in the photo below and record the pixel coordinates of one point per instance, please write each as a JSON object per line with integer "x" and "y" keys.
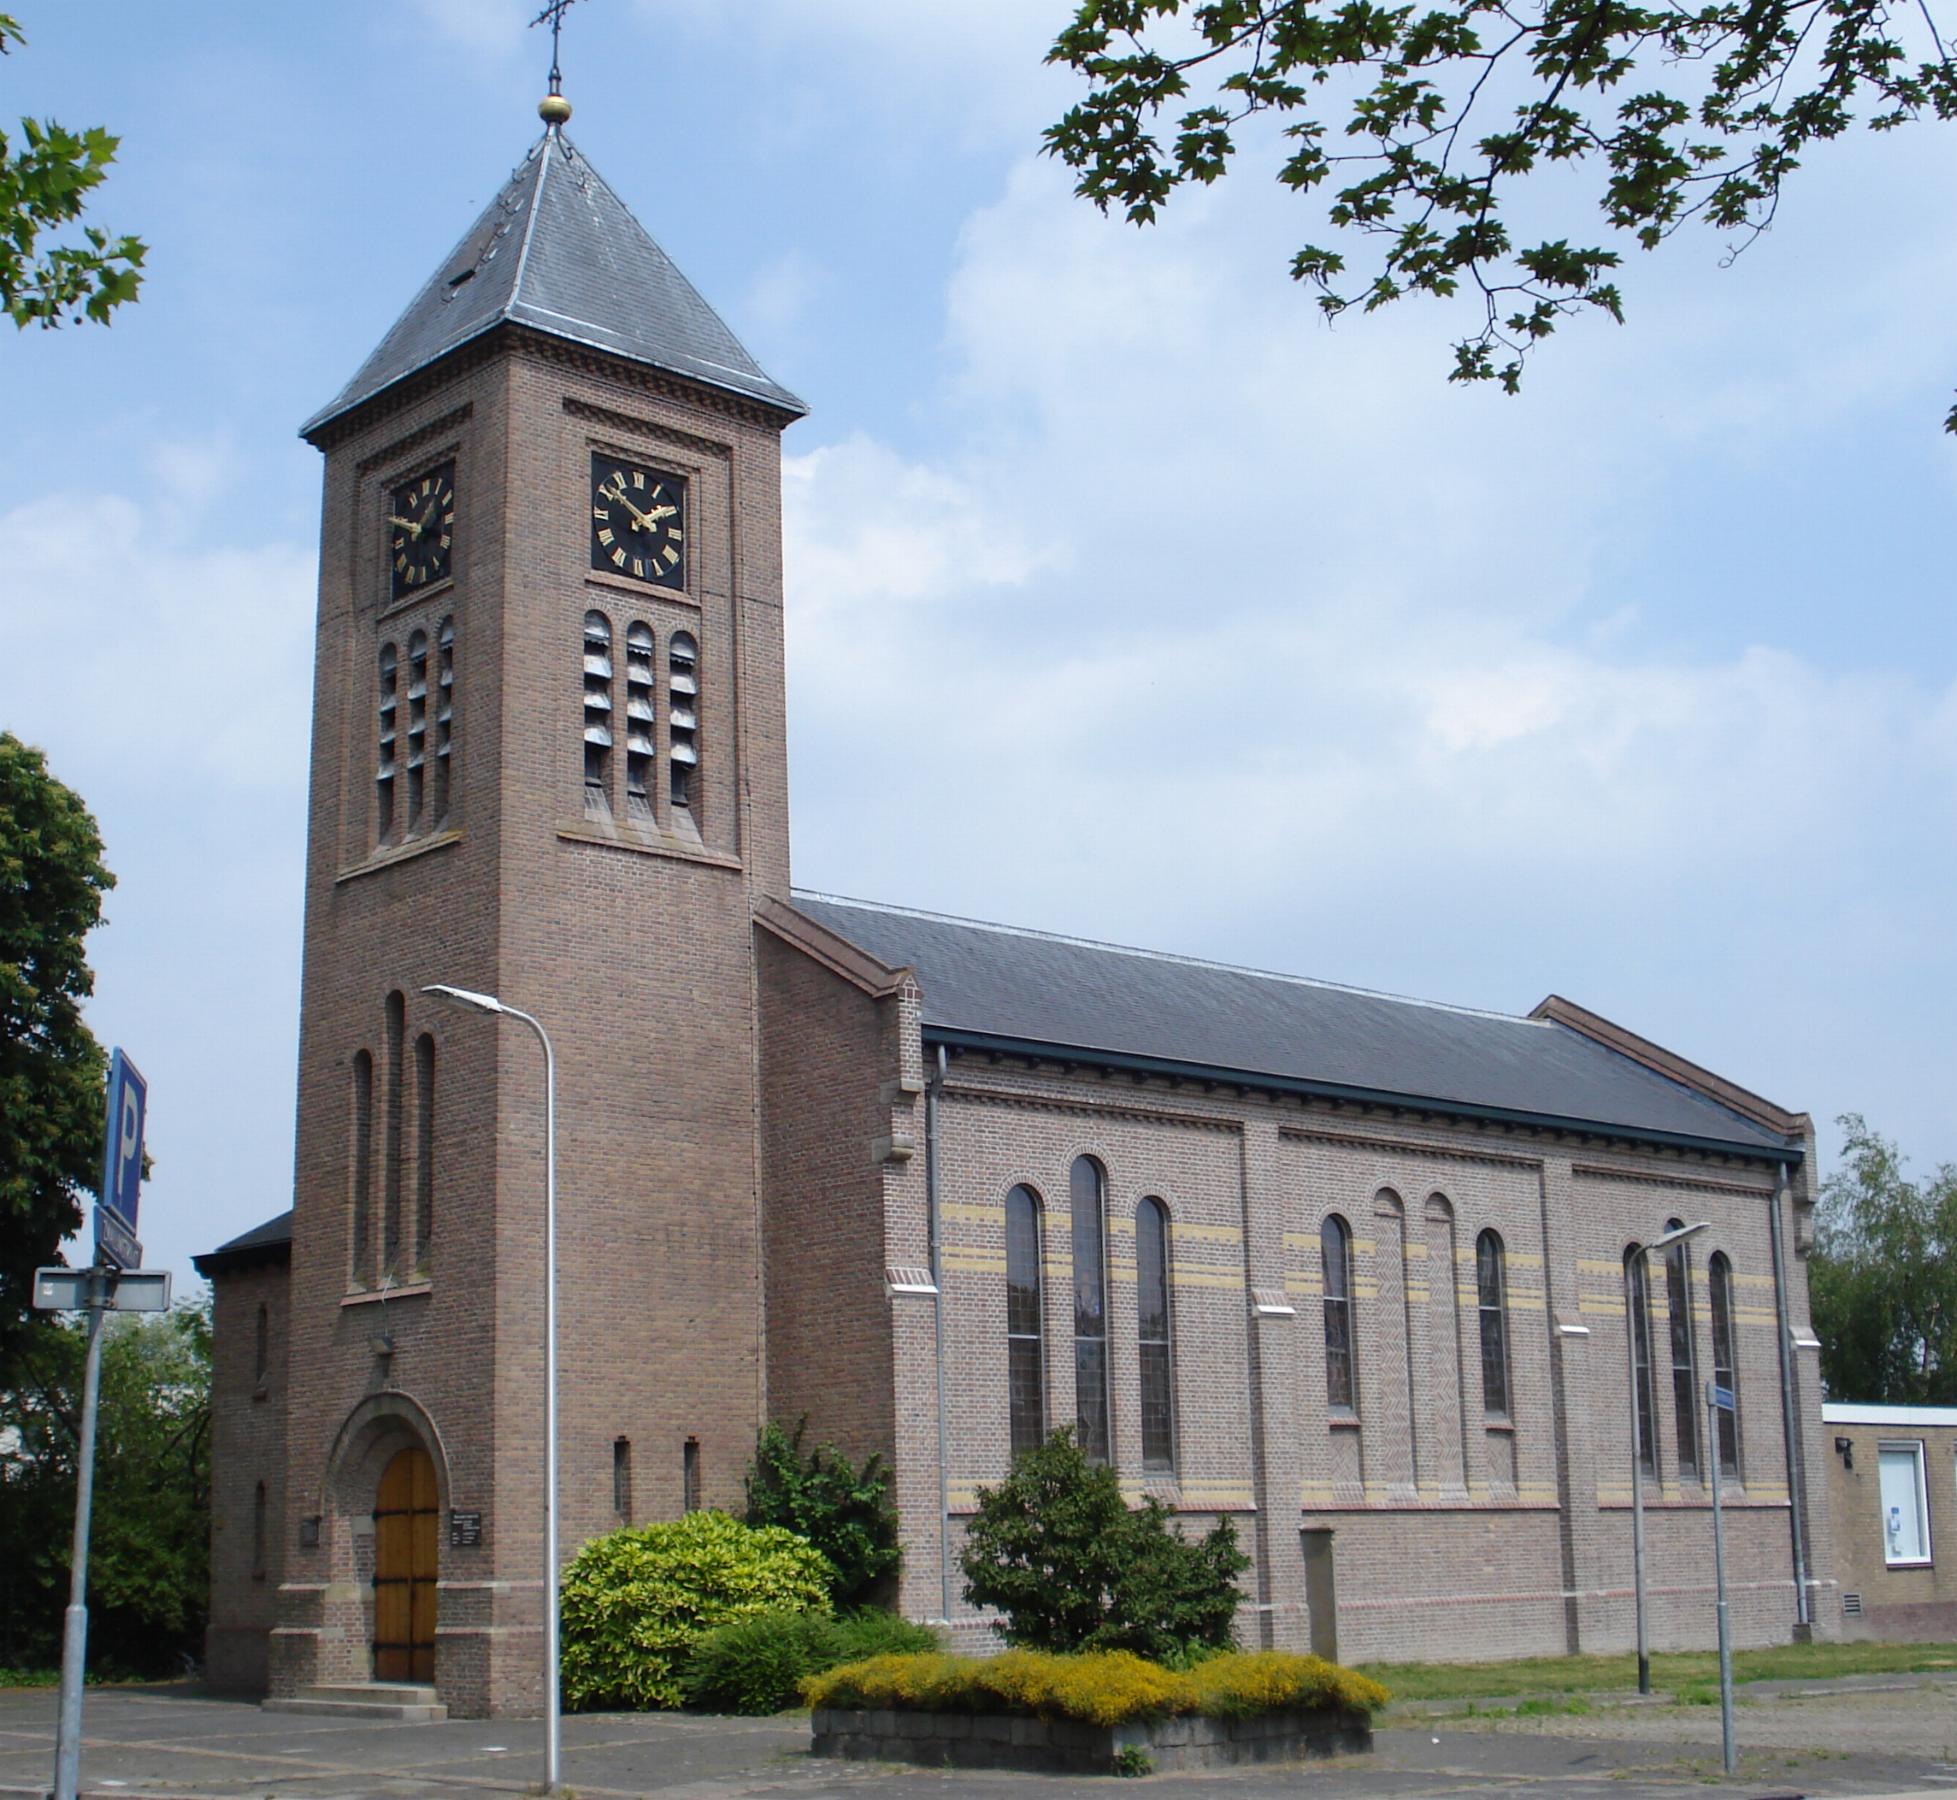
{"x": 261, "y": 1361}
{"x": 1638, "y": 1323}
{"x": 417, "y": 729}
{"x": 1725, "y": 1364}
{"x": 444, "y": 716}
{"x": 683, "y": 715}
{"x": 1088, "y": 1195}
{"x": 1341, "y": 1379}
{"x": 384, "y": 765}
{"x": 1025, "y": 1344}
{"x": 640, "y": 720}
{"x": 1152, "y": 1330}
{"x": 597, "y": 712}
{"x": 1685, "y": 1382}
{"x": 392, "y": 1122}
{"x": 1491, "y": 1284}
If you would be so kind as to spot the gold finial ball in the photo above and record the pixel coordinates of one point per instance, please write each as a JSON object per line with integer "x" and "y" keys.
{"x": 554, "y": 109}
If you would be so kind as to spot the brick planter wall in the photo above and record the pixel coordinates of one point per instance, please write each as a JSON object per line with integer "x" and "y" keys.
{"x": 993, "y": 1741}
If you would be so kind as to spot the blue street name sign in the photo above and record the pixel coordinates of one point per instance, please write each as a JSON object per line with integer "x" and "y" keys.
{"x": 1722, "y": 1397}
{"x": 122, "y": 1165}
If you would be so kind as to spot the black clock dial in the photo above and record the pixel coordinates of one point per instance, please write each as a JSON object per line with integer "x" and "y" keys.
{"x": 421, "y": 529}
{"x": 638, "y": 522}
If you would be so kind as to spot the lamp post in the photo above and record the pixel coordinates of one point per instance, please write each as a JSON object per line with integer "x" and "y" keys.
{"x": 1633, "y": 1320}
{"x": 488, "y": 1003}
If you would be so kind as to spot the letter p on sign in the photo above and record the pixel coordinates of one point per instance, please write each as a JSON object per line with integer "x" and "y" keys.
{"x": 122, "y": 1177}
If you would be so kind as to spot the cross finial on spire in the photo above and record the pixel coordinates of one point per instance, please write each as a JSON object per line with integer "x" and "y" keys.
{"x": 554, "y": 108}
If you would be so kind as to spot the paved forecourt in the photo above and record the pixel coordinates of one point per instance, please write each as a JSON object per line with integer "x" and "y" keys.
{"x": 170, "y": 1743}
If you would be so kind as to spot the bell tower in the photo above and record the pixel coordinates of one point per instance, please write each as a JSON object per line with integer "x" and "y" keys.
{"x": 548, "y": 764}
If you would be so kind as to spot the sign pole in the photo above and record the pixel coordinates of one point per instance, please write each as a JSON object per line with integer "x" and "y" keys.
{"x": 74, "y": 1622}
{"x": 1716, "y": 1399}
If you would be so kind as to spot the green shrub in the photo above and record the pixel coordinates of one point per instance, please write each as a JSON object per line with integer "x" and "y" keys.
{"x": 756, "y": 1665}
{"x": 635, "y": 1601}
{"x": 845, "y": 1512}
{"x": 1108, "y": 1687}
{"x": 1056, "y": 1549}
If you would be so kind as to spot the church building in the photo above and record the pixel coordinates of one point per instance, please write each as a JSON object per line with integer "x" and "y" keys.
{"x": 1364, "y": 1275}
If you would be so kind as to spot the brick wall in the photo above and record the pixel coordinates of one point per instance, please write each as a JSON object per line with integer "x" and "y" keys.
{"x": 1907, "y": 1600}
{"x": 248, "y": 1399}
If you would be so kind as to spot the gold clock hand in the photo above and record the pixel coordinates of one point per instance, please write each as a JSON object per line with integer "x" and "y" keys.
{"x": 640, "y": 521}
{"x": 407, "y": 525}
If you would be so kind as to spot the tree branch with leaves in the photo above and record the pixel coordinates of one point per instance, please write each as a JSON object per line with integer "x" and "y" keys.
{"x": 45, "y": 183}
{"x": 1389, "y": 114}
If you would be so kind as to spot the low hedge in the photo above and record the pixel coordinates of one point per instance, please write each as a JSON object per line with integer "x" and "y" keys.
{"x": 1104, "y": 1687}
{"x": 756, "y": 1666}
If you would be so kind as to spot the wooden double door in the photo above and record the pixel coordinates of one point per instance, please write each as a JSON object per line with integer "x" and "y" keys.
{"x": 405, "y": 1550}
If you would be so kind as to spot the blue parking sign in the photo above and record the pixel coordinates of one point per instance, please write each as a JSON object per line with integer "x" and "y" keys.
{"x": 122, "y": 1155}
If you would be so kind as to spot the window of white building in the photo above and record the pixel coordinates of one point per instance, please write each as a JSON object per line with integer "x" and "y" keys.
{"x": 1905, "y": 1502}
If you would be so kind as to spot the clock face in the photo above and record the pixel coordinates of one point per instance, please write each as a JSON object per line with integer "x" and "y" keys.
{"x": 638, "y": 522}
{"x": 420, "y": 529}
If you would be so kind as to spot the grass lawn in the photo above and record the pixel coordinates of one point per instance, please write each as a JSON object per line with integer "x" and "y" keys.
{"x": 1670, "y": 1670}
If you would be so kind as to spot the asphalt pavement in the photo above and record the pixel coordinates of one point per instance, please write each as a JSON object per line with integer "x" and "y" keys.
{"x": 1873, "y": 1739}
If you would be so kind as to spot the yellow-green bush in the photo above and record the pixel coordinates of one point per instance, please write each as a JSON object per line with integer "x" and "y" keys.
{"x": 1105, "y": 1687}
{"x": 634, "y": 1601}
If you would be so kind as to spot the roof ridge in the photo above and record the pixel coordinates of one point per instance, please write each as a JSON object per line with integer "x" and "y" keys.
{"x": 1169, "y": 956}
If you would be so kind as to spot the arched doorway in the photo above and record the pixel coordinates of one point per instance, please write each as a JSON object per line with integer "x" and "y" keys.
{"x": 405, "y": 1511}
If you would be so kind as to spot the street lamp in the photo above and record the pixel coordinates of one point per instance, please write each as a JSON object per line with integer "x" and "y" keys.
{"x": 1632, "y": 1324}
{"x": 488, "y": 1003}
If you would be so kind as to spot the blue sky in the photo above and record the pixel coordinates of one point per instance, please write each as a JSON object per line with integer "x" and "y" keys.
{"x": 1125, "y": 597}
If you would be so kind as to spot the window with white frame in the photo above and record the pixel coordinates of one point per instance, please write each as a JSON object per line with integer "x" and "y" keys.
{"x": 1905, "y": 1502}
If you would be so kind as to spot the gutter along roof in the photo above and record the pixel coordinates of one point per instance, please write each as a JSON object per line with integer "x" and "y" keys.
{"x": 989, "y": 987}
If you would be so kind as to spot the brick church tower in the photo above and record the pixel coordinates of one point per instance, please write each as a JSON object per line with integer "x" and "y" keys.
{"x": 547, "y": 764}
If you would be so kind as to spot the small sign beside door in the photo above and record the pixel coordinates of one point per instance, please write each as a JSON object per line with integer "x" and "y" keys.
{"x": 464, "y": 1530}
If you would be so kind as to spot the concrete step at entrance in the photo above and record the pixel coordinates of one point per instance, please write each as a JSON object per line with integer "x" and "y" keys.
{"x": 409, "y": 1702}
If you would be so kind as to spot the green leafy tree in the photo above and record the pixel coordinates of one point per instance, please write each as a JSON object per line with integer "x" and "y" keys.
{"x": 1419, "y": 126}
{"x": 148, "y": 1570}
{"x": 1883, "y": 1277}
{"x": 845, "y": 1512}
{"x": 51, "y": 1068}
{"x": 45, "y": 182}
{"x": 1058, "y": 1551}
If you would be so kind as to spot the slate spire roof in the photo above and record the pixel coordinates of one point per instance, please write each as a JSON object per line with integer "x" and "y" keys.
{"x": 559, "y": 252}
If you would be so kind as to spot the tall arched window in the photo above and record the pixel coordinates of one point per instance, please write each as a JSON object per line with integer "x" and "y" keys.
{"x": 1025, "y": 1348}
{"x": 424, "y": 1152}
{"x": 361, "y": 1183}
{"x": 1638, "y": 1323}
{"x": 444, "y": 716}
{"x": 1090, "y": 1308}
{"x": 259, "y": 1511}
{"x": 597, "y": 713}
{"x": 1335, "y": 1248}
{"x": 384, "y": 764}
{"x": 391, "y": 1128}
{"x": 261, "y": 1361}
{"x": 683, "y": 714}
{"x": 1725, "y": 1364}
{"x": 1685, "y": 1382}
{"x": 1152, "y": 1328}
{"x": 640, "y": 720}
{"x": 1491, "y": 1282}
{"x": 417, "y": 729}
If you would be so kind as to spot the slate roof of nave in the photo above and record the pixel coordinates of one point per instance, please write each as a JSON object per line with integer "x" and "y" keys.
{"x": 1009, "y": 986}
{"x": 559, "y": 252}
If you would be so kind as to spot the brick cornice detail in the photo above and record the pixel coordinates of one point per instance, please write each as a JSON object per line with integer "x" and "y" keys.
{"x": 979, "y": 1094}
{"x": 448, "y": 423}
{"x": 1667, "y": 1179}
{"x": 646, "y": 428}
{"x": 833, "y": 951}
{"x": 1438, "y": 1152}
{"x": 1673, "y": 1067}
